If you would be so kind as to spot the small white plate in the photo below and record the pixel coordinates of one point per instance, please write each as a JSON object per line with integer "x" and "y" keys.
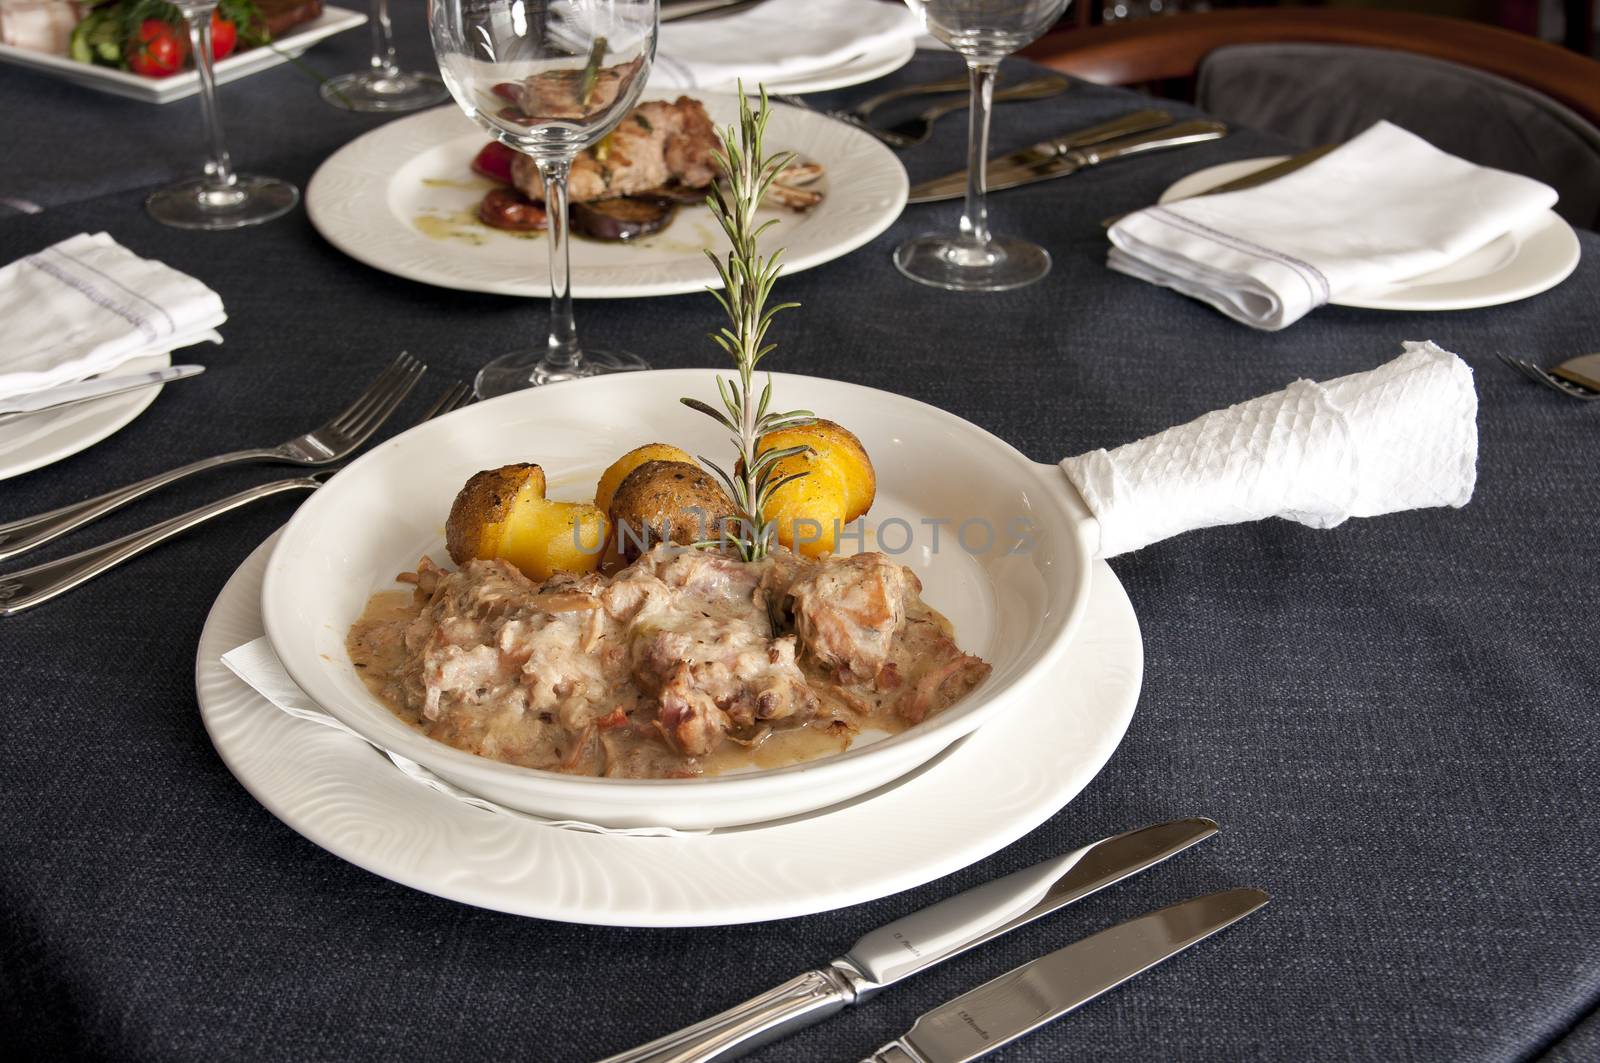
{"x": 997, "y": 785}
{"x": 180, "y": 86}
{"x": 1521, "y": 263}
{"x": 403, "y": 199}
{"x": 26, "y": 443}
{"x": 868, "y": 66}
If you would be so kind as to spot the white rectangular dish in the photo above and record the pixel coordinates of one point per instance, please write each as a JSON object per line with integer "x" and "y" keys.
{"x": 181, "y": 86}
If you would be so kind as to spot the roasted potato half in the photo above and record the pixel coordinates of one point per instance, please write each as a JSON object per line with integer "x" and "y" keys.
{"x": 667, "y": 501}
{"x": 613, "y": 477}
{"x": 807, "y": 512}
{"x": 502, "y": 513}
{"x": 833, "y": 447}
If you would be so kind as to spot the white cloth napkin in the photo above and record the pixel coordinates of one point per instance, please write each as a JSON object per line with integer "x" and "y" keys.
{"x": 1401, "y": 436}
{"x": 773, "y": 41}
{"x": 1384, "y": 207}
{"x": 88, "y": 304}
{"x": 258, "y": 665}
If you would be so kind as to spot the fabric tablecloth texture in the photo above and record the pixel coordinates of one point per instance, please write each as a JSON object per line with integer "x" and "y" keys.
{"x": 1394, "y": 721}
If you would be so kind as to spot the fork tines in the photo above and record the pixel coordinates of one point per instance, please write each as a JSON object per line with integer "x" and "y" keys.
{"x": 454, "y": 397}
{"x": 1548, "y": 379}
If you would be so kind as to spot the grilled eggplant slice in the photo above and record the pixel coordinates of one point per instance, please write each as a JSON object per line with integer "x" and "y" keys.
{"x": 622, "y": 219}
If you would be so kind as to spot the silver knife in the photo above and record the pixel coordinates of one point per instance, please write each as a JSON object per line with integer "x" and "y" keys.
{"x": 87, "y": 390}
{"x": 1073, "y": 159}
{"x": 1025, "y": 998}
{"x": 1253, "y": 179}
{"x": 920, "y": 940}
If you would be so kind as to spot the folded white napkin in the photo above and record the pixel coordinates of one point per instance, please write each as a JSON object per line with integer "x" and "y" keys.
{"x": 258, "y": 665}
{"x": 1401, "y": 436}
{"x": 88, "y": 304}
{"x": 1381, "y": 208}
{"x": 774, "y": 40}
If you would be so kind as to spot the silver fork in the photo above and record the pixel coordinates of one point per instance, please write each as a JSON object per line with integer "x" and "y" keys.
{"x": 32, "y": 586}
{"x": 321, "y": 446}
{"x": 1574, "y": 378}
{"x": 915, "y": 130}
{"x": 839, "y": 116}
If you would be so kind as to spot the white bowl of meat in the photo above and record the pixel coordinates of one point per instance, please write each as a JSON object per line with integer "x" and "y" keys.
{"x": 546, "y": 650}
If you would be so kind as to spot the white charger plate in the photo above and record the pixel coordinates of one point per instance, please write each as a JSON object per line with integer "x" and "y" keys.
{"x": 1527, "y": 261}
{"x": 998, "y": 784}
{"x": 402, "y": 199}
{"x": 27, "y": 443}
{"x": 885, "y": 59}
{"x": 180, "y": 86}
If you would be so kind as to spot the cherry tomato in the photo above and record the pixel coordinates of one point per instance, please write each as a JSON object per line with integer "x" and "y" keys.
{"x": 224, "y": 36}
{"x": 158, "y": 50}
{"x": 494, "y": 162}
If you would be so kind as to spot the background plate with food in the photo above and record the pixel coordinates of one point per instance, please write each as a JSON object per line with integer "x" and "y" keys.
{"x": 407, "y": 200}
{"x": 165, "y": 89}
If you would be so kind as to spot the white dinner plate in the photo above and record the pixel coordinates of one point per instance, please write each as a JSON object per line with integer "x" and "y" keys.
{"x": 885, "y": 59}
{"x": 27, "y": 443}
{"x": 403, "y": 199}
{"x": 1000, "y": 783}
{"x": 1524, "y": 262}
{"x": 180, "y": 86}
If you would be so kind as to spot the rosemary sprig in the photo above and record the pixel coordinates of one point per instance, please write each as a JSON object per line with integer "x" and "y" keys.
{"x": 747, "y": 279}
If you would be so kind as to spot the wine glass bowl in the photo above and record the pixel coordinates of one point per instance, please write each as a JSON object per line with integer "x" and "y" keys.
{"x": 988, "y": 29}
{"x": 974, "y": 259}
{"x": 547, "y": 78}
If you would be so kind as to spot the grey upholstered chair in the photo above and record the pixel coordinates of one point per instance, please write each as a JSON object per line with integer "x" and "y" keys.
{"x": 1321, "y": 75}
{"x": 1326, "y": 93}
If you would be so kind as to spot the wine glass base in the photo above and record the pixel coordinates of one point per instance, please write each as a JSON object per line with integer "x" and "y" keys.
{"x": 951, "y": 262}
{"x": 198, "y": 204}
{"x": 373, "y": 90}
{"x": 515, "y": 372}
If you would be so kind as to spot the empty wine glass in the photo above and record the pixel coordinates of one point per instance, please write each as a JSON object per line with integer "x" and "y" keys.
{"x": 383, "y": 86}
{"x": 221, "y": 199}
{"x": 975, "y": 260}
{"x": 547, "y": 78}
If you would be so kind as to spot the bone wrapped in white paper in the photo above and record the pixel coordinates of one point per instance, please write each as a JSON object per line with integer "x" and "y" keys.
{"x": 1401, "y": 436}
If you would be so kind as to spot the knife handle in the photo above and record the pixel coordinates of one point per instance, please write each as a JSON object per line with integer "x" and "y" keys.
{"x": 779, "y": 1012}
{"x": 1172, "y": 136}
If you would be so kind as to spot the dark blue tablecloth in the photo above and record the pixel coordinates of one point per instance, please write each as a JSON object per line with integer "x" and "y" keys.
{"x": 1395, "y": 721}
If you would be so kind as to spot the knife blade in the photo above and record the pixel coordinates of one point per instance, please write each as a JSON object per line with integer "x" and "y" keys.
{"x": 916, "y": 942}
{"x": 1026, "y": 997}
{"x": 1250, "y": 180}
{"x": 1070, "y": 161}
{"x": 87, "y": 390}
{"x": 1046, "y": 150}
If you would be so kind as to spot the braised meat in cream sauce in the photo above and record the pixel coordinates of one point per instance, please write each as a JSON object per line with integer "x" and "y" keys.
{"x": 687, "y": 662}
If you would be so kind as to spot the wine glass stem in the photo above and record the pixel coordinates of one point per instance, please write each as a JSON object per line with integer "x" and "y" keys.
{"x": 562, "y": 352}
{"x": 383, "y": 61}
{"x": 975, "y": 220}
{"x": 219, "y": 168}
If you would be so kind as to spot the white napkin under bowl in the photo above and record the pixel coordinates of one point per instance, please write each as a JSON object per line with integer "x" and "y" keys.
{"x": 87, "y": 304}
{"x": 1381, "y": 208}
{"x": 257, "y": 664}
